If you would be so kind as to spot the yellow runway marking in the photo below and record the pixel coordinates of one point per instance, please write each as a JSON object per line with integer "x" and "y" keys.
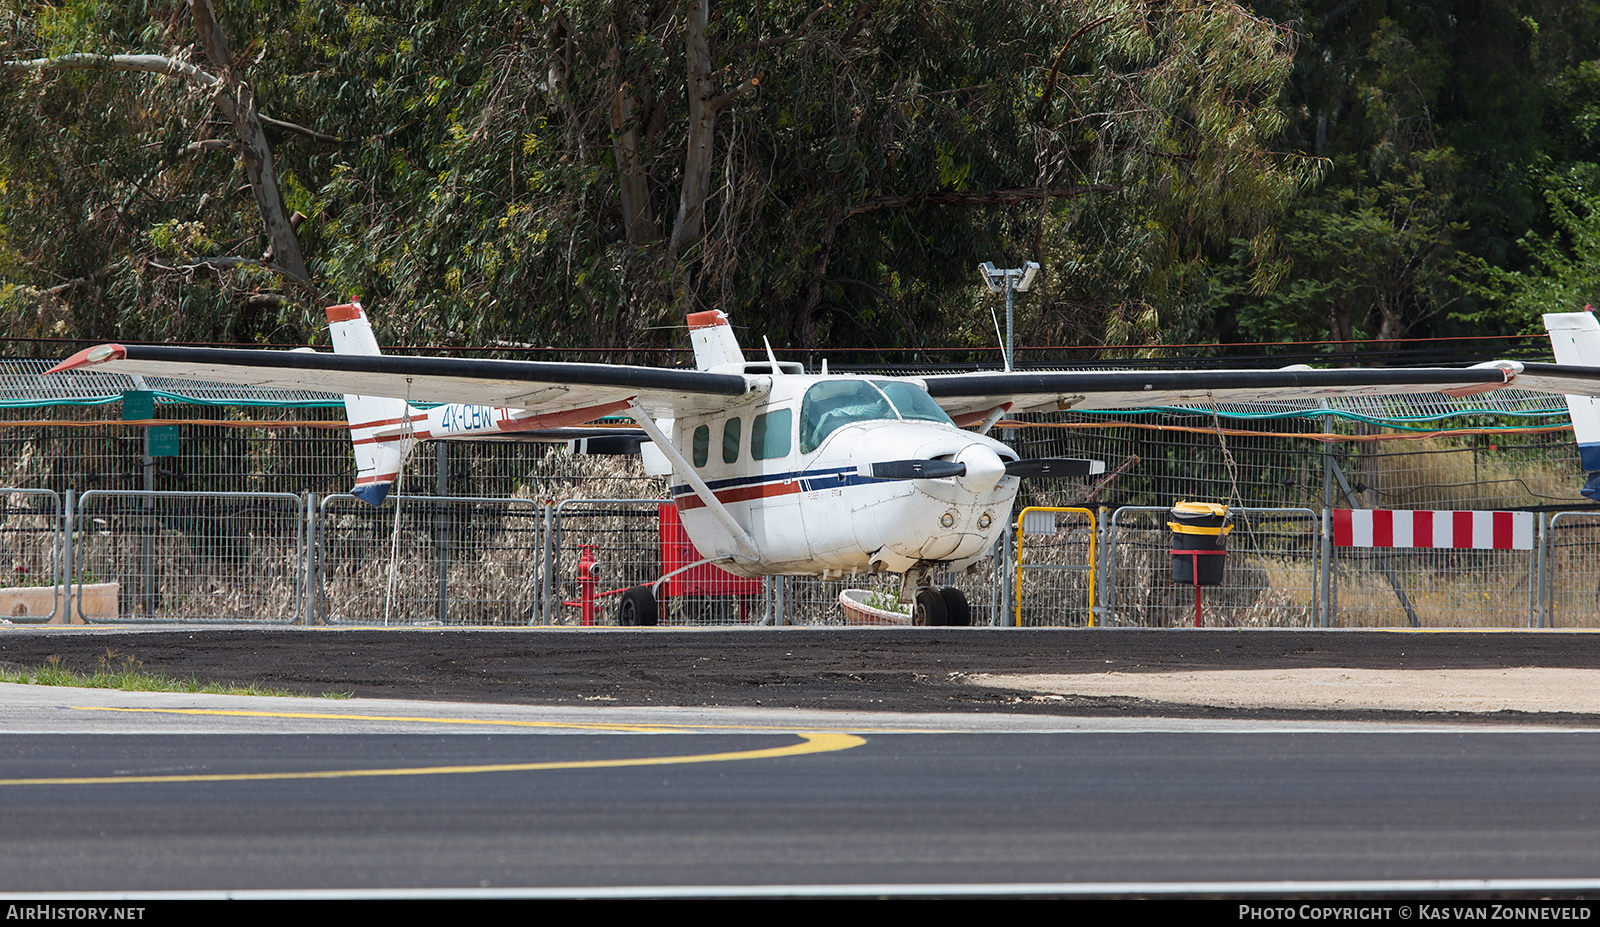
{"x": 558, "y": 725}
{"x": 810, "y": 743}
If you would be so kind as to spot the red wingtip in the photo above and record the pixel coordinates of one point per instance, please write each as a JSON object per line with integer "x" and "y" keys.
{"x": 88, "y": 357}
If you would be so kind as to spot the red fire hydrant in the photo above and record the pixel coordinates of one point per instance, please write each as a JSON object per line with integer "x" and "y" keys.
{"x": 588, "y": 579}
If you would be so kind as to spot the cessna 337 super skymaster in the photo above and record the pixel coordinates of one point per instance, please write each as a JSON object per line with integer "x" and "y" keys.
{"x": 776, "y": 471}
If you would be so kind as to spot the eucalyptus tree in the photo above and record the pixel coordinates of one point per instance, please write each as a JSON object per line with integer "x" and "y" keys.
{"x": 166, "y": 90}
{"x": 581, "y": 172}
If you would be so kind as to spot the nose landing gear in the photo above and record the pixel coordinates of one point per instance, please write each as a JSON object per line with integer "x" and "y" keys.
{"x": 941, "y": 607}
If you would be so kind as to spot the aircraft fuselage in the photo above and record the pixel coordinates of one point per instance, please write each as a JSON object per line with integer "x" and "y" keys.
{"x": 792, "y": 467}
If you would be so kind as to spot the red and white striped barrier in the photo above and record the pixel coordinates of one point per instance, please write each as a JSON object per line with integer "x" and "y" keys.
{"x": 1412, "y": 528}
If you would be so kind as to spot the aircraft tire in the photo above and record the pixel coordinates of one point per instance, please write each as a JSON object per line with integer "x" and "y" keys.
{"x": 637, "y": 608}
{"x": 929, "y": 610}
{"x": 956, "y": 612}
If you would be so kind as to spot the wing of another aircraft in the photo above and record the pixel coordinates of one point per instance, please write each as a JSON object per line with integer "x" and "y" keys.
{"x": 534, "y": 386}
{"x": 1031, "y": 391}
{"x": 541, "y": 387}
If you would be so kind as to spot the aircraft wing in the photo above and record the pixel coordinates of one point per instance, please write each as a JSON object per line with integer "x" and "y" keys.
{"x": 1036, "y": 391}
{"x": 534, "y": 386}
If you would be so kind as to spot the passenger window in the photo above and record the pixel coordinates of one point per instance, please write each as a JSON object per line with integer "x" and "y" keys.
{"x": 731, "y": 432}
{"x": 702, "y": 445}
{"x": 769, "y": 435}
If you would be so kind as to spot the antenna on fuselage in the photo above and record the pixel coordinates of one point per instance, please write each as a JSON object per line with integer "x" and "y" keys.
{"x": 824, "y": 366}
{"x": 772, "y": 358}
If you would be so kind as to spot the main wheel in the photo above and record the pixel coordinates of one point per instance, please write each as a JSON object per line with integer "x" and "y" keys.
{"x": 637, "y": 608}
{"x": 956, "y": 612}
{"x": 929, "y": 610}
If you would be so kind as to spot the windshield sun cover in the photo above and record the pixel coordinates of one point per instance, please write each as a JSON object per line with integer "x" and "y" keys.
{"x": 833, "y": 404}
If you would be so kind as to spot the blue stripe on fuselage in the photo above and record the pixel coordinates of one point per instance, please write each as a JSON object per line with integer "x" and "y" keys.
{"x": 810, "y": 480}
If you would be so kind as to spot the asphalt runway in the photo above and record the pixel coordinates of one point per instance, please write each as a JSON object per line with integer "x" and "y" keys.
{"x": 581, "y": 763}
{"x": 129, "y": 792}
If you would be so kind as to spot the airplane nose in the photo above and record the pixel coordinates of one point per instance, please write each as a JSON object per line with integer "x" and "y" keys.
{"x": 984, "y": 469}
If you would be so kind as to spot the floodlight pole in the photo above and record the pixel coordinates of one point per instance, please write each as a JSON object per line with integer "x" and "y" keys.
{"x": 1015, "y": 279}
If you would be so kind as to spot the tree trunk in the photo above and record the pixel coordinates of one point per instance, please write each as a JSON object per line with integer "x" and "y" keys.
{"x": 702, "y": 128}
{"x": 638, "y": 218}
{"x": 805, "y": 321}
{"x": 239, "y": 103}
{"x": 704, "y": 106}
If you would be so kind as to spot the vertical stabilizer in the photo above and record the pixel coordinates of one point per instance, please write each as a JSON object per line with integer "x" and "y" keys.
{"x": 380, "y": 431}
{"x": 1575, "y": 337}
{"x": 714, "y": 342}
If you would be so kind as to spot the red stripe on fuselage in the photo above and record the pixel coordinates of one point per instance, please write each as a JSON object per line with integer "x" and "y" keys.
{"x": 379, "y": 423}
{"x": 739, "y": 494}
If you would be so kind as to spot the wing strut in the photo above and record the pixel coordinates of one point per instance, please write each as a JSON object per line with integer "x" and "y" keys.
{"x": 741, "y": 537}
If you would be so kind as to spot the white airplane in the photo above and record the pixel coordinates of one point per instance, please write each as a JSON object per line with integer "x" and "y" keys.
{"x": 776, "y": 471}
{"x": 1575, "y": 340}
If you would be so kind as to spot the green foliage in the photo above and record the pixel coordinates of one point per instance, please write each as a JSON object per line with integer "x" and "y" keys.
{"x": 1374, "y": 259}
{"x": 474, "y": 191}
{"x": 1442, "y": 123}
{"x": 1563, "y": 275}
{"x": 1183, "y": 172}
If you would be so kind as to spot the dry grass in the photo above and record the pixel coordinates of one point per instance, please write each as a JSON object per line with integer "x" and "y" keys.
{"x": 1455, "y": 473}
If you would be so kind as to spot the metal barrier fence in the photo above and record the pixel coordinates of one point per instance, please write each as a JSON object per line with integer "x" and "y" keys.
{"x": 1570, "y": 551}
{"x": 427, "y": 560}
{"x": 31, "y": 536}
{"x": 200, "y": 555}
{"x": 1270, "y": 579}
{"x": 277, "y": 557}
{"x": 1434, "y": 588}
{"x": 1055, "y": 567}
{"x": 623, "y": 537}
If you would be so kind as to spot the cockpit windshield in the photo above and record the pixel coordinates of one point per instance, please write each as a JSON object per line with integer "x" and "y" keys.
{"x": 832, "y": 404}
{"x": 912, "y": 403}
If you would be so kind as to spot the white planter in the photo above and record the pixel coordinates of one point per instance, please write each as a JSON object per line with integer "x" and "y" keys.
{"x": 857, "y": 611}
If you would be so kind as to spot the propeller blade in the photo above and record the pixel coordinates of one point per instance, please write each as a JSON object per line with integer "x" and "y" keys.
{"x": 917, "y": 469}
{"x": 1054, "y": 466}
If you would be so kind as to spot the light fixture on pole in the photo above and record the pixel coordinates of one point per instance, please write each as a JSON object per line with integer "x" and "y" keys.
{"x": 1017, "y": 279}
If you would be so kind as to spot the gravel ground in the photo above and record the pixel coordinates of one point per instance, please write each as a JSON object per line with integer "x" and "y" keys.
{"x": 1168, "y": 672}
